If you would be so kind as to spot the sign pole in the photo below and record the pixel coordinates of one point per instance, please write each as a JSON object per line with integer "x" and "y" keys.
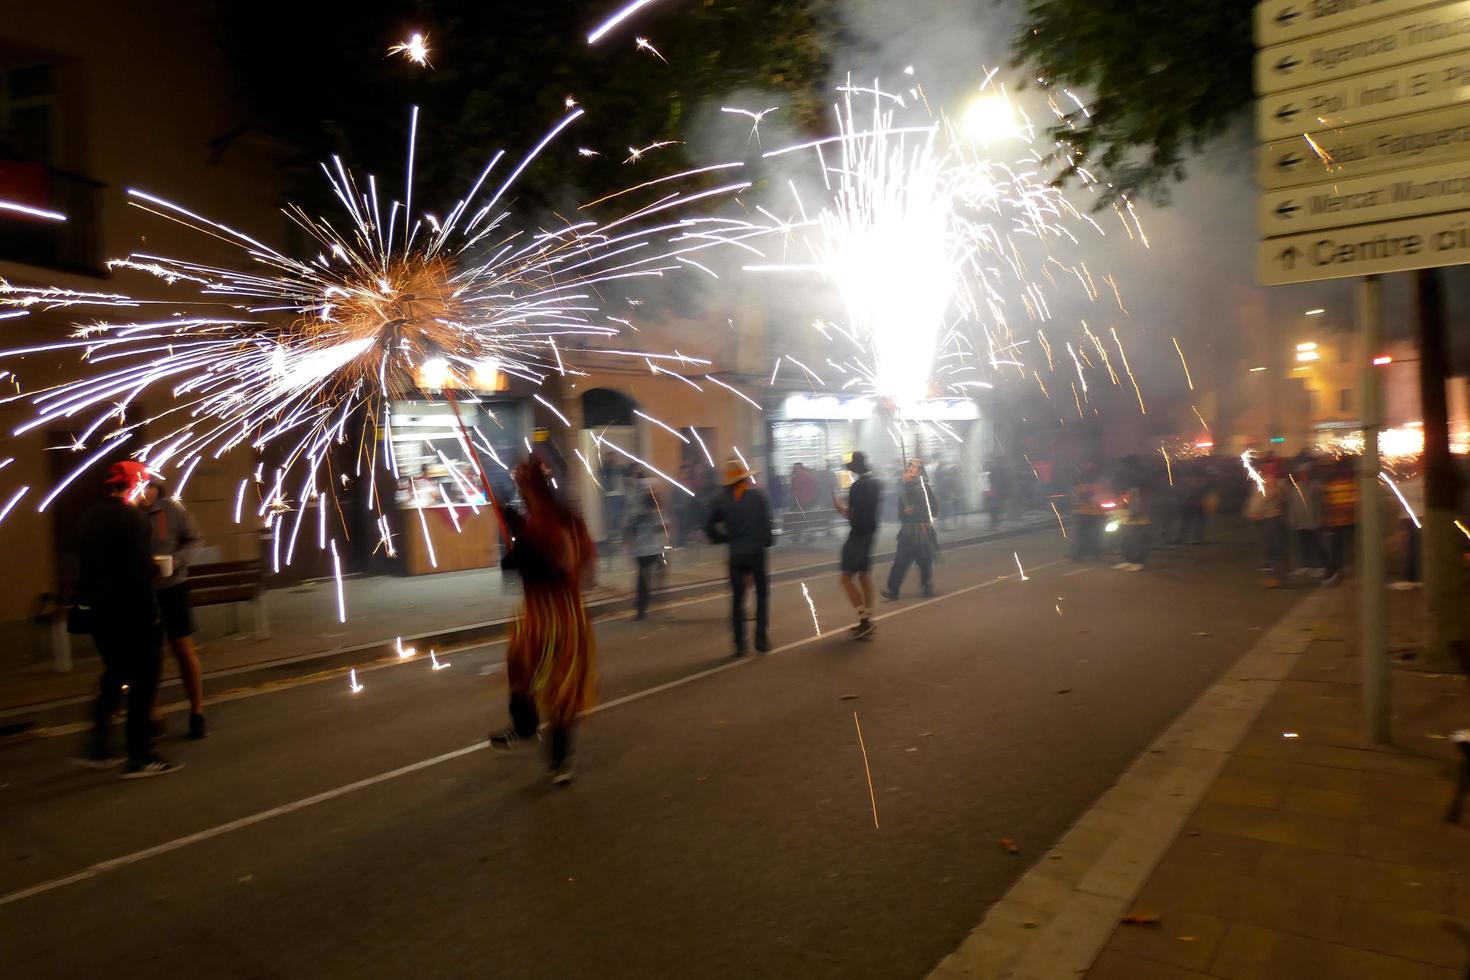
{"x": 1372, "y": 603}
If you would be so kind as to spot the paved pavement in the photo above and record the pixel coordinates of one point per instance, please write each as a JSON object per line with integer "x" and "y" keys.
{"x": 723, "y": 823}
{"x": 381, "y": 608}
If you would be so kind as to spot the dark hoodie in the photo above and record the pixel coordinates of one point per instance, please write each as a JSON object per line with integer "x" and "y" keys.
{"x": 741, "y": 518}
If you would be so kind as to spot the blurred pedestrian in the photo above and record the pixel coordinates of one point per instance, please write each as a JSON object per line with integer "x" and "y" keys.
{"x": 550, "y": 659}
{"x": 998, "y": 492}
{"x": 1267, "y": 508}
{"x": 117, "y": 598}
{"x": 1410, "y": 531}
{"x": 917, "y": 542}
{"x": 1304, "y": 517}
{"x": 741, "y": 519}
{"x": 1193, "y": 504}
{"x": 1087, "y": 511}
{"x": 175, "y": 538}
{"x": 644, "y": 534}
{"x": 861, "y": 511}
{"x": 1339, "y": 516}
{"x": 1137, "y": 518}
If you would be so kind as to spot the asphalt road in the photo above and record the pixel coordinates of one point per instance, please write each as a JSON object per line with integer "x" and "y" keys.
{"x": 721, "y": 823}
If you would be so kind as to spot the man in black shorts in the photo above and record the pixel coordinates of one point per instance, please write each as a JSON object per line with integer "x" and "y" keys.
{"x": 861, "y": 511}
{"x": 175, "y": 537}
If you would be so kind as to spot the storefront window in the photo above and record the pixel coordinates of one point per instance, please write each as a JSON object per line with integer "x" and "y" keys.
{"x": 434, "y": 468}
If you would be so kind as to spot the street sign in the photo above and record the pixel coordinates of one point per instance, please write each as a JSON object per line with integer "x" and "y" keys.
{"x": 1394, "y": 246}
{"x": 1403, "y": 89}
{"x": 1385, "y": 197}
{"x": 1287, "y": 20}
{"x": 1419, "y": 34}
{"x": 1434, "y": 137}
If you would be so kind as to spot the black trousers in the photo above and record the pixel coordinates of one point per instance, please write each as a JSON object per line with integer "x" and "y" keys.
{"x": 1191, "y": 524}
{"x": 524, "y": 717}
{"x": 646, "y": 565}
{"x": 132, "y": 655}
{"x": 754, "y": 568}
{"x": 911, "y": 549}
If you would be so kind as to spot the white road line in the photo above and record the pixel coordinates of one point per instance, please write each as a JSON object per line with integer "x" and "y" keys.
{"x": 113, "y": 864}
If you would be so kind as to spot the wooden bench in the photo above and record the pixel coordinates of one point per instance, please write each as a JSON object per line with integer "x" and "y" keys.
{"x": 213, "y": 584}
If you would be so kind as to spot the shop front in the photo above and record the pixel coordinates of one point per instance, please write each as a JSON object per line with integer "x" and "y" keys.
{"x": 443, "y": 520}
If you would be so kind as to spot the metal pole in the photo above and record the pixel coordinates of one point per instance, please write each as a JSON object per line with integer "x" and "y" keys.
{"x": 1372, "y": 602}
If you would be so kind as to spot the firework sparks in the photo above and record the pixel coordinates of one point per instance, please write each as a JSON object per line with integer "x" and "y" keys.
{"x": 435, "y": 663}
{"x": 415, "y": 49}
{"x": 1024, "y": 577}
{"x": 1402, "y": 500}
{"x": 15, "y": 207}
{"x": 813, "y": 607}
{"x": 1168, "y": 466}
{"x": 643, "y": 44}
{"x": 1252, "y": 472}
{"x": 352, "y": 684}
{"x": 1187, "y": 376}
{"x": 634, "y": 155}
{"x": 617, "y": 18}
{"x": 754, "y": 117}
{"x": 867, "y": 770}
{"x": 1060, "y": 523}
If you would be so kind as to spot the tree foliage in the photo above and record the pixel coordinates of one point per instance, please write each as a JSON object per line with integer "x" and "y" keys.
{"x": 316, "y": 76}
{"x": 1162, "y": 80}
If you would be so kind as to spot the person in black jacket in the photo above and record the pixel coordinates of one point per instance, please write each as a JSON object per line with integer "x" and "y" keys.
{"x": 861, "y": 511}
{"x": 741, "y": 518}
{"x": 917, "y": 542}
{"x": 116, "y": 587}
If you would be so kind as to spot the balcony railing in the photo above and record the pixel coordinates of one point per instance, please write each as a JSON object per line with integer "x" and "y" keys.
{"x": 73, "y": 245}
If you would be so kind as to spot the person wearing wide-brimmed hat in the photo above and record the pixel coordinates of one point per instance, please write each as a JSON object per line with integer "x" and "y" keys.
{"x": 740, "y": 518}
{"x": 861, "y": 511}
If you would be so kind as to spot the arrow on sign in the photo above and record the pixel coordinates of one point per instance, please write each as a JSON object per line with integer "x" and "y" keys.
{"x": 1289, "y": 162}
{"x": 1285, "y": 113}
{"x": 1288, "y": 64}
{"x": 1286, "y": 209}
{"x": 1286, "y": 16}
{"x": 1288, "y": 257}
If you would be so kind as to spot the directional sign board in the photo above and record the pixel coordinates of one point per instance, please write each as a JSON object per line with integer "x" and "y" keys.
{"x": 1287, "y": 20}
{"x": 1364, "y": 119}
{"x": 1357, "y": 151}
{"x": 1384, "y": 197}
{"x": 1399, "y": 40}
{"x": 1400, "y": 90}
{"x": 1395, "y": 246}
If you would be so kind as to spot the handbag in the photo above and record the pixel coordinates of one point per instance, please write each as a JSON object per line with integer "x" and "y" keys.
{"x": 79, "y": 620}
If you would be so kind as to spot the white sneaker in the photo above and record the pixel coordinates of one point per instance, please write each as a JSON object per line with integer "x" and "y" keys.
{"x": 153, "y": 766}
{"x": 561, "y": 775}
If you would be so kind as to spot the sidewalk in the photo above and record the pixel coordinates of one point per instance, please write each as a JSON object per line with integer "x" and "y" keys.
{"x": 447, "y": 608}
{"x": 1262, "y": 837}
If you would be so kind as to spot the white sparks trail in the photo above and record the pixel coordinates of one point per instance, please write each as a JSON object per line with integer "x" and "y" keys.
{"x": 352, "y": 684}
{"x": 741, "y": 456}
{"x": 1060, "y": 523}
{"x": 415, "y": 49}
{"x": 813, "y": 607}
{"x": 1463, "y": 529}
{"x": 872, "y": 797}
{"x": 337, "y": 574}
{"x": 618, "y": 16}
{"x": 15, "y": 207}
{"x": 1024, "y": 576}
{"x": 14, "y": 499}
{"x": 662, "y": 425}
{"x": 642, "y": 44}
{"x": 755, "y": 119}
{"x": 705, "y": 449}
{"x": 1382, "y": 476}
{"x": 435, "y": 663}
{"x": 1252, "y": 472}
{"x": 1168, "y": 466}
{"x": 1187, "y": 376}
{"x": 403, "y": 652}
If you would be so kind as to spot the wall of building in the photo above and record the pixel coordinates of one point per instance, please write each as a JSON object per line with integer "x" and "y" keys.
{"x": 141, "y": 95}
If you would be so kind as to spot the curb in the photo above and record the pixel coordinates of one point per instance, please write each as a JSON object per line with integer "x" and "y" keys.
{"x": 16, "y": 720}
{"x": 1055, "y": 920}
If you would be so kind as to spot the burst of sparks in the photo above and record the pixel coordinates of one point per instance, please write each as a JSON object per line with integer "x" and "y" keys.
{"x": 755, "y": 118}
{"x": 643, "y": 44}
{"x": 813, "y": 607}
{"x": 1252, "y": 472}
{"x": 415, "y": 49}
{"x": 636, "y": 154}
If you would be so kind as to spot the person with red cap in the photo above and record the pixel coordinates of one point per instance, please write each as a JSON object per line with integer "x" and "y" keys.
{"x": 116, "y": 594}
